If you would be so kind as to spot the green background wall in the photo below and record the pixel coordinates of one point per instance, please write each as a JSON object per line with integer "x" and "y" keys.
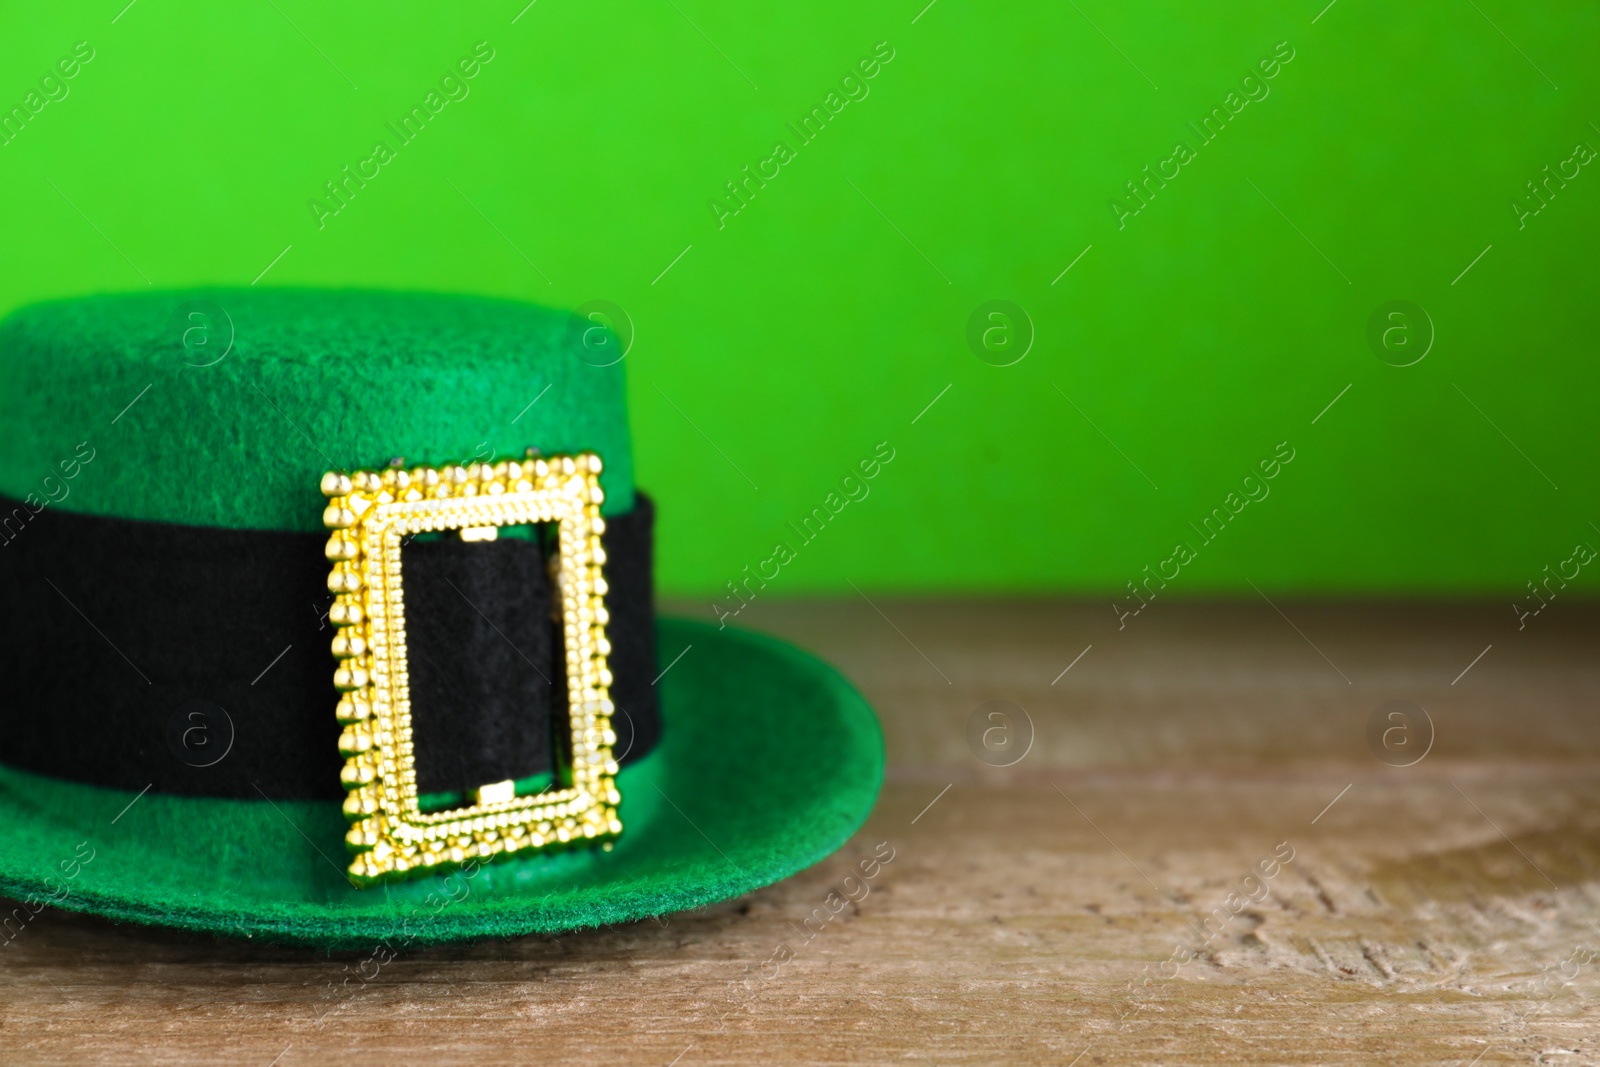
{"x": 823, "y": 318}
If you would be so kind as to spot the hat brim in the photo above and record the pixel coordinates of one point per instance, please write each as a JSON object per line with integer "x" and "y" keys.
{"x": 769, "y": 761}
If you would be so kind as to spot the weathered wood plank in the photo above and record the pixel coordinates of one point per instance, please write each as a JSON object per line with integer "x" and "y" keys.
{"x": 1076, "y": 904}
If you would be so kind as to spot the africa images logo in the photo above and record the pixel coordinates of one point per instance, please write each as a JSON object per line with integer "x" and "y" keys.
{"x": 453, "y": 85}
{"x": 1143, "y": 190}
{"x": 742, "y": 189}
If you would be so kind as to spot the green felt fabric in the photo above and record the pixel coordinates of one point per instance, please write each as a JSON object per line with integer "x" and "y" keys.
{"x": 314, "y": 380}
{"x": 770, "y": 761}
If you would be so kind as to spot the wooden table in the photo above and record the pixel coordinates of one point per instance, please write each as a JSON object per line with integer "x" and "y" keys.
{"x": 1074, "y": 907}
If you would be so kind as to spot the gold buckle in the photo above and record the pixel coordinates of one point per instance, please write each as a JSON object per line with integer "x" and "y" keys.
{"x": 371, "y": 513}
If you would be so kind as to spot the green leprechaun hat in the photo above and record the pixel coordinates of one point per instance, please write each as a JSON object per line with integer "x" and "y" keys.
{"x": 328, "y": 618}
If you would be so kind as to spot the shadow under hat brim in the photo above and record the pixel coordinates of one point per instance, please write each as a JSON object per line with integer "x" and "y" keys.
{"x": 770, "y": 760}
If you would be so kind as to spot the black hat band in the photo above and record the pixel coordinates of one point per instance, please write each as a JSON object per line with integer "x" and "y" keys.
{"x": 195, "y": 660}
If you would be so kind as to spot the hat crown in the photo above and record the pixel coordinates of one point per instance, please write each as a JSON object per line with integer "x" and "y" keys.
{"x": 223, "y": 407}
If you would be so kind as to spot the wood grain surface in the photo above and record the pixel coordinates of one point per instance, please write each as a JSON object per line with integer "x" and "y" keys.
{"x": 1198, "y": 859}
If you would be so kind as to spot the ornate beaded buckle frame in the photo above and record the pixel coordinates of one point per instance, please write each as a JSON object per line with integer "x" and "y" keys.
{"x": 371, "y": 514}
